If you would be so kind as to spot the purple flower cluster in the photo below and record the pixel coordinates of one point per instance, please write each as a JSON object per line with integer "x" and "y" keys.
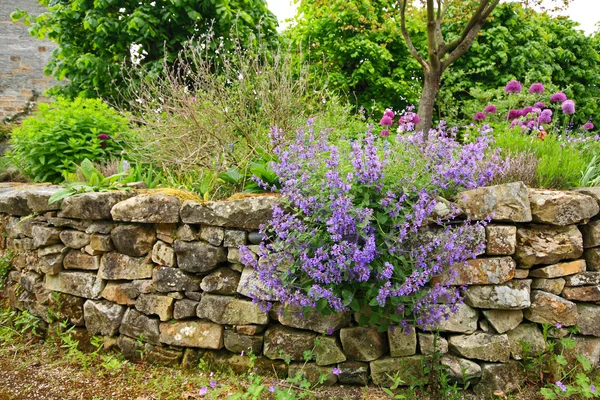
{"x": 348, "y": 233}
{"x": 513, "y": 87}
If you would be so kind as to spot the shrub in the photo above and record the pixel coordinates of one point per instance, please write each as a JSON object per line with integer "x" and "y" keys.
{"x": 361, "y": 242}
{"x": 62, "y": 134}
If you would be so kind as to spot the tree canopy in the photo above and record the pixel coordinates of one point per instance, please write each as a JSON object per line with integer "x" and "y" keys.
{"x": 95, "y": 37}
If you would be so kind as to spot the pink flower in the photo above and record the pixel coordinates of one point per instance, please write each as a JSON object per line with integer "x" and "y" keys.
{"x": 336, "y": 371}
{"x": 558, "y": 97}
{"x": 479, "y": 116}
{"x": 386, "y": 121}
{"x": 513, "y": 86}
{"x": 539, "y": 104}
{"x": 416, "y": 119}
{"x": 536, "y": 88}
{"x": 561, "y": 386}
{"x": 588, "y": 126}
{"x": 389, "y": 113}
{"x": 490, "y": 109}
{"x": 385, "y": 132}
{"x": 568, "y": 107}
{"x": 203, "y": 391}
{"x": 103, "y": 136}
{"x": 213, "y": 383}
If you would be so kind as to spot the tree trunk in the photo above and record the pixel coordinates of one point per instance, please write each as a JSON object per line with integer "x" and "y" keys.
{"x": 427, "y": 102}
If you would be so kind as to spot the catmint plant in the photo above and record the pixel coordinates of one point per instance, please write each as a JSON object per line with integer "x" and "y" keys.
{"x": 357, "y": 227}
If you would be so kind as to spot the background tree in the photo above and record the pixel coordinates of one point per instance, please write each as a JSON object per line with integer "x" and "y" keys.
{"x": 95, "y": 37}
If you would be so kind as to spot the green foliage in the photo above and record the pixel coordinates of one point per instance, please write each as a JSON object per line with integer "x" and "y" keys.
{"x": 64, "y": 133}
{"x": 94, "y": 181}
{"x": 560, "y": 163}
{"x": 96, "y": 37}
{"x": 519, "y": 43}
{"x": 356, "y": 47}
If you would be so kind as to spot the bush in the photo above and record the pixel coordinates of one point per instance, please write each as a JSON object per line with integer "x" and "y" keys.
{"x": 62, "y": 134}
{"x": 362, "y": 241}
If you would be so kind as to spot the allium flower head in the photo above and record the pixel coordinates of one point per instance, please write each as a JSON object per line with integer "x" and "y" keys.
{"x": 384, "y": 133}
{"x": 389, "y": 113}
{"x": 546, "y": 116}
{"x": 568, "y": 107}
{"x": 513, "y": 114}
{"x": 588, "y": 126}
{"x": 526, "y": 110}
{"x": 490, "y": 109}
{"x": 386, "y": 121}
{"x": 416, "y": 119}
{"x": 558, "y": 97}
{"x": 479, "y": 116}
{"x": 513, "y": 86}
{"x": 540, "y": 104}
{"x": 537, "y": 88}
{"x": 103, "y": 136}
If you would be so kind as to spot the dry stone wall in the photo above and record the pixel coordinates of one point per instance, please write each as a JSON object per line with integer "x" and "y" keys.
{"x": 154, "y": 275}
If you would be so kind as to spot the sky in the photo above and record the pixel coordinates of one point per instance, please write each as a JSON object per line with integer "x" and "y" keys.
{"x": 586, "y": 12}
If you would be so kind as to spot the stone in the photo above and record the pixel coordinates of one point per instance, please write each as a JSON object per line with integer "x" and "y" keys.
{"x": 526, "y": 340}
{"x": 51, "y": 264}
{"x": 92, "y": 206}
{"x": 561, "y": 208}
{"x": 134, "y": 288}
{"x": 255, "y": 237}
{"x": 480, "y": 271}
{"x": 130, "y": 348}
{"x": 554, "y": 286}
{"x": 75, "y": 259}
{"x": 113, "y": 292}
{"x": 460, "y": 369}
{"x": 191, "y": 358}
{"x": 587, "y": 319}
{"x": 103, "y": 317}
{"x": 582, "y": 293}
{"x": 44, "y": 236}
{"x": 133, "y": 240}
{"x": 152, "y": 304}
{"x": 165, "y": 279}
{"x": 186, "y": 233}
{"x": 196, "y": 296}
{"x": 328, "y": 351}
{"x": 74, "y": 239}
{"x": 100, "y": 243}
{"x": 402, "y": 341}
{"x": 150, "y": 209}
{"x": 232, "y": 311}
{"x": 234, "y": 256}
{"x": 592, "y": 259}
{"x": 221, "y": 281}
{"x": 77, "y": 283}
{"x": 238, "y": 343}
{"x": 101, "y": 227}
{"x": 137, "y": 325}
{"x": 245, "y": 213}
{"x": 115, "y": 266}
{"x": 513, "y": 295}
{"x": 500, "y": 240}
{"x": 521, "y": 273}
{"x": 430, "y": 344}
{"x": 588, "y": 347}
{"x": 547, "y": 308}
{"x": 559, "y": 270}
{"x": 503, "y": 320}
{"x": 316, "y": 375}
{"x": 590, "y": 191}
{"x": 212, "y": 234}
{"x": 198, "y": 256}
{"x": 69, "y": 223}
{"x": 13, "y": 201}
{"x": 163, "y": 254}
{"x": 250, "y": 285}
{"x": 508, "y": 202}
{"x": 363, "y": 343}
{"x": 409, "y": 370}
{"x": 583, "y": 279}
{"x": 294, "y": 317}
{"x": 353, "y": 373}
{"x": 472, "y": 237}
{"x": 65, "y": 307}
{"x": 240, "y": 364}
{"x": 160, "y": 355}
{"x": 202, "y": 334}
{"x": 285, "y": 343}
{"x": 506, "y": 377}
{"x": 481, "y": 346}
{"x": 591, "y": 234}
{"x": 464, "y": 320}
{"x": 185, "y": 308}
{"x": 38, "y": 196}
{"x": 543, "y": 244}
{"x": 234, "y": 238}
{"x": 29, "y": 280}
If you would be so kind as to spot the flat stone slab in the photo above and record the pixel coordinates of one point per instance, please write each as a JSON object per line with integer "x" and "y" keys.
{"x": 588, "y": 319}
{"x": 481, "y": 271}
{"x": 115, "y": 266}
{"x": 582, "y": 293}
{"x": 284, "y": 343}
{"x": 464, "y": 320}
{"x": 314, "y": 321}
{"x": 547, "y": 308}
{"x": 136, "y": 325}
{"x": 201, "y": 334}
{"x": 508, "y": 202}
{"x": 198, "y": 256}
{"x": 513, "y": 295}
{"x": 503, "y": 320}
{"x": 246, "y": 213}
{"x": 481, "y": 346}
{"x": 363, "y": 343}
{"x": 231, "y": 311}
{"x": 103, "y": 317}
{"x": 149, "y": 209}
{"x": 587, "y": 278}
{"x": 559, "y": 270}
{"x": 92, "y": 205}
{"x": 561, "y": 208}
{"x": 500, "y": 239}
{"x": 408, "y": 369}
{"x": 544, "y": 244}
{"x": 77, "y": 283}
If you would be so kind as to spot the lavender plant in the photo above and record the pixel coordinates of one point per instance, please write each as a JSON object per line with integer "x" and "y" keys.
{"x": 357, "y": 227}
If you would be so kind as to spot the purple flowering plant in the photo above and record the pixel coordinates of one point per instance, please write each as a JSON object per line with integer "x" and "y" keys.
{"x": 353, "y": 229}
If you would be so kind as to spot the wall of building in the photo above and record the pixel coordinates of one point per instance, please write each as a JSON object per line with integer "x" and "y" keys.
{"x": 151, "y": 267}
{"x": 22, "y": 60}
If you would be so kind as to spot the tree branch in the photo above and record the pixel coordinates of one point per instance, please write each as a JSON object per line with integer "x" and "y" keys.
{"x": 474, "y": 19}
{"x": 432, "y": 43}
{"x": 411, "y": 47}
{"x": 464, "y": 45}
